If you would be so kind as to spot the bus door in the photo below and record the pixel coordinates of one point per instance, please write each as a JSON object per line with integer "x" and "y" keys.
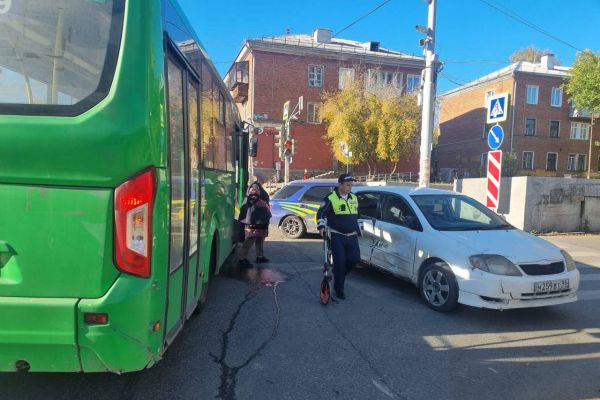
{"x": 184, "y": 170}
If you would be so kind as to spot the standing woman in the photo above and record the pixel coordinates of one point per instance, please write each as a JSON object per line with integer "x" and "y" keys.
{"x": 255, "y": 216}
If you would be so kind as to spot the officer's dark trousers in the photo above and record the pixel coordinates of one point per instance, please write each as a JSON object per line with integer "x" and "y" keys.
{"x": 346, "y": 254}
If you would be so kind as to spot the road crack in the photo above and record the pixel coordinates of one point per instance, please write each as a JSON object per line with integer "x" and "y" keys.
{"x": 229, "y": 374}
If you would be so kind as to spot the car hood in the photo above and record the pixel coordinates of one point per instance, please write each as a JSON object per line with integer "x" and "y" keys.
{"x": 516, "y": 245}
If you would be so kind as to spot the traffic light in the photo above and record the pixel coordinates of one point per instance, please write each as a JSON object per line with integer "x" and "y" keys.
{"x": 279, "y": 144}
{"x": 253, "y": 147}
{"x": 290, "y": 147}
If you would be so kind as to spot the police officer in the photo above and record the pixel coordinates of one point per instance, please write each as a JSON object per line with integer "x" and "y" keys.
{"x": 339, "y": 212}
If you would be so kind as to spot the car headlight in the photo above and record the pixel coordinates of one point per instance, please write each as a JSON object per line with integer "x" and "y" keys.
{"x": 494, "y": 264}
{"x": 569, "y": 261}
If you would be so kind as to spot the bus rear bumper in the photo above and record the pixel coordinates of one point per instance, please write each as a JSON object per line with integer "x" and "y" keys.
{"x": 38, "y": 334}
{"x": 50, "y": 335}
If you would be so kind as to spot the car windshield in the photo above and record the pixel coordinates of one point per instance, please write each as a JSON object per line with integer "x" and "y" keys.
{"x": 458, "y": 213}
{"x": 287, "y": 191}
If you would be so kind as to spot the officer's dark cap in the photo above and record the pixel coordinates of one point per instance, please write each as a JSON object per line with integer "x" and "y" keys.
{"x": 346, "y": 178}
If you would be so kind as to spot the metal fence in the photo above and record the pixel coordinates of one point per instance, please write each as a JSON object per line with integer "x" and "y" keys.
{"x": 395, "y": 177}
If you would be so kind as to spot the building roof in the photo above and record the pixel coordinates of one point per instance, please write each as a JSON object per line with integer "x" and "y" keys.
{"x": 520, "y": 66}
{"x": 336, "y": 45}
{"x": 305, "y": 44}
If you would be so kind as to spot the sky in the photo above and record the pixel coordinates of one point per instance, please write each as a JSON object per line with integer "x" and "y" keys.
{"x": 472, "y": 37}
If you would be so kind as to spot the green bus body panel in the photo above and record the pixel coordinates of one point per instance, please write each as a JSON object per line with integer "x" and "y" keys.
{"x": 39, "y": 331}
{"x": 57, "y": 181}
{"x": 59, "y": 240}
{"x": 174, "y": 305}
{"x": 128, "y": 342}
{"x": 193, "y": 280}
{"x": 218, "y": 212}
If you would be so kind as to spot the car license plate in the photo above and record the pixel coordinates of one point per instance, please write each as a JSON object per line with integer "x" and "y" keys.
{"x": 550, "y": 286}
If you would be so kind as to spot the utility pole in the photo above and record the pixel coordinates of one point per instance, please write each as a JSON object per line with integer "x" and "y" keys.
{"x": 287, "y": 118}
{"x": 428, "y": 94}
{"x": 589, "y": 171}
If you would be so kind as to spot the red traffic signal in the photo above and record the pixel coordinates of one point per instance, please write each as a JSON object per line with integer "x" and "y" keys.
{"x": 288, "y": 144}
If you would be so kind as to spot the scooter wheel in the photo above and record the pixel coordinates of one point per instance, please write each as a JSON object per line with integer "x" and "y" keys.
{"x": 325, "y": 292}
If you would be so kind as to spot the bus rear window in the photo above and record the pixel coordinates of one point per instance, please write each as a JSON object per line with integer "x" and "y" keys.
{"x": 57, "y": 57}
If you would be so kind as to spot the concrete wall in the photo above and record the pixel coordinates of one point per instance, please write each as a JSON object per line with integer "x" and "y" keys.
{"x": 543, "y": 204}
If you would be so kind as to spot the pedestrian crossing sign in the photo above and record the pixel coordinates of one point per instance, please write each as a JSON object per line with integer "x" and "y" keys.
{"x": 497, "y": 108}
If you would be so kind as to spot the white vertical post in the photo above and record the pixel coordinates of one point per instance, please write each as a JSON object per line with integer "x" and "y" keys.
{"x": 428, "y": 98}
{"x": 286, "y": 172}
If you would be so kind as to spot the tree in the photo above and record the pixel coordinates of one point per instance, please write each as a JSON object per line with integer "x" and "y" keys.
{"x": 510, "y": 167}
{"x": 529, "y": 53}
{"x": 348, "y": 117}
{"x": 583, "y": 89}
{"x": 377, "y": 124}
{"x": 398, "y": 123}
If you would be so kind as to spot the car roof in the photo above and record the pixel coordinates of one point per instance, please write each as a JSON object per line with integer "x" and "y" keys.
{"x": 331, "y": 182}
{"x": 405, "y": 190}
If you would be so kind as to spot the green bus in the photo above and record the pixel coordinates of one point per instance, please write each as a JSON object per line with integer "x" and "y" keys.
{"x": 122, "y": 161}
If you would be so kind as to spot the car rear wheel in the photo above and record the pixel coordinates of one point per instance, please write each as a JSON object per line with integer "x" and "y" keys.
{"x": 438, "y": 287}
{"x": 293, "y": 227}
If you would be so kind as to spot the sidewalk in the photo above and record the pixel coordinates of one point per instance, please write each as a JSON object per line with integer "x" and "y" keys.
{"x": 585, "y": 249}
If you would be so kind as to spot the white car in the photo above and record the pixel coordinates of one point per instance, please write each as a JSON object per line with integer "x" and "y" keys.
{"x": 458, "y": 251}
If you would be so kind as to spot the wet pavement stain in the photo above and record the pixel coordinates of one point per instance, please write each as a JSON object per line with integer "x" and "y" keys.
{"x": 260, "y": 276}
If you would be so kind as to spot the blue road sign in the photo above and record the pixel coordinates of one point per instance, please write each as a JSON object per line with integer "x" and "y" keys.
{"x": 495, "y": 137}
{"x": 497, "y": 108}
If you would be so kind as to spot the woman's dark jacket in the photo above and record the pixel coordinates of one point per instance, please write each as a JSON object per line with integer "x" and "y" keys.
{"x": 255, "y": 209}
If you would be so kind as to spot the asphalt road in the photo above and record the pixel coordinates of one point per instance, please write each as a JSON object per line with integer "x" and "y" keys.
{"x": 263, "y": 335}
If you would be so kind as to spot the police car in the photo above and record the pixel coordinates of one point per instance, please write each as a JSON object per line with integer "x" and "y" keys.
{"x": 455, "y": 250}
{"x": 294, "y": 207}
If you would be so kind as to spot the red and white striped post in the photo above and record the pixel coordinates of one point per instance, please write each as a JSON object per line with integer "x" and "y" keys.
{"x": 494, "y": 171}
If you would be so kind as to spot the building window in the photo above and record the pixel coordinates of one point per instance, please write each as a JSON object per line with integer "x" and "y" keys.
{"x": 488, "y": 94}
{"x": 383, "y": 79}
{"x": 532, "y": 94}
{"x": 346, "y": 76}
{"x": 315, "y": 75}
{"x": 554, "y": 129}
{"x": 580, "y": 131}
{"x": 527, "y": 160}
{"x": 530, "y": 127}
{"x": 551, "y": 161}
{"x": 314, "y": 113}
{"x": 577, "y": 162}
{"x": 413, "y": 83}
{"x": 556, "y": 99}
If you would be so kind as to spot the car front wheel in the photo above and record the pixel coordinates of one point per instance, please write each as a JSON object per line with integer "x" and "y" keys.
{"x": 293, "y": 227}
{"x": 438, "y": 287}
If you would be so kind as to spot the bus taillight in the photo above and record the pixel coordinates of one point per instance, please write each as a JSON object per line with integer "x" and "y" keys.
{"x": 134, "y": 202}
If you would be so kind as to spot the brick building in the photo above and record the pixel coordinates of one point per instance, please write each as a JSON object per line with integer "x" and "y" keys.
{"x": 270, "y": 71}
{"x": 547, "y": 136}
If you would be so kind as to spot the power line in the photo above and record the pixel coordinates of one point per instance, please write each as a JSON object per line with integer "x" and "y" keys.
{"x": 361, "y": 18}
{"x": 476, "y": 62}
{"x": 344, "y": 28}
{"x": 445, "y": 76}
{"x": 527, "y": 23}
{"x": 332, "y": 36}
